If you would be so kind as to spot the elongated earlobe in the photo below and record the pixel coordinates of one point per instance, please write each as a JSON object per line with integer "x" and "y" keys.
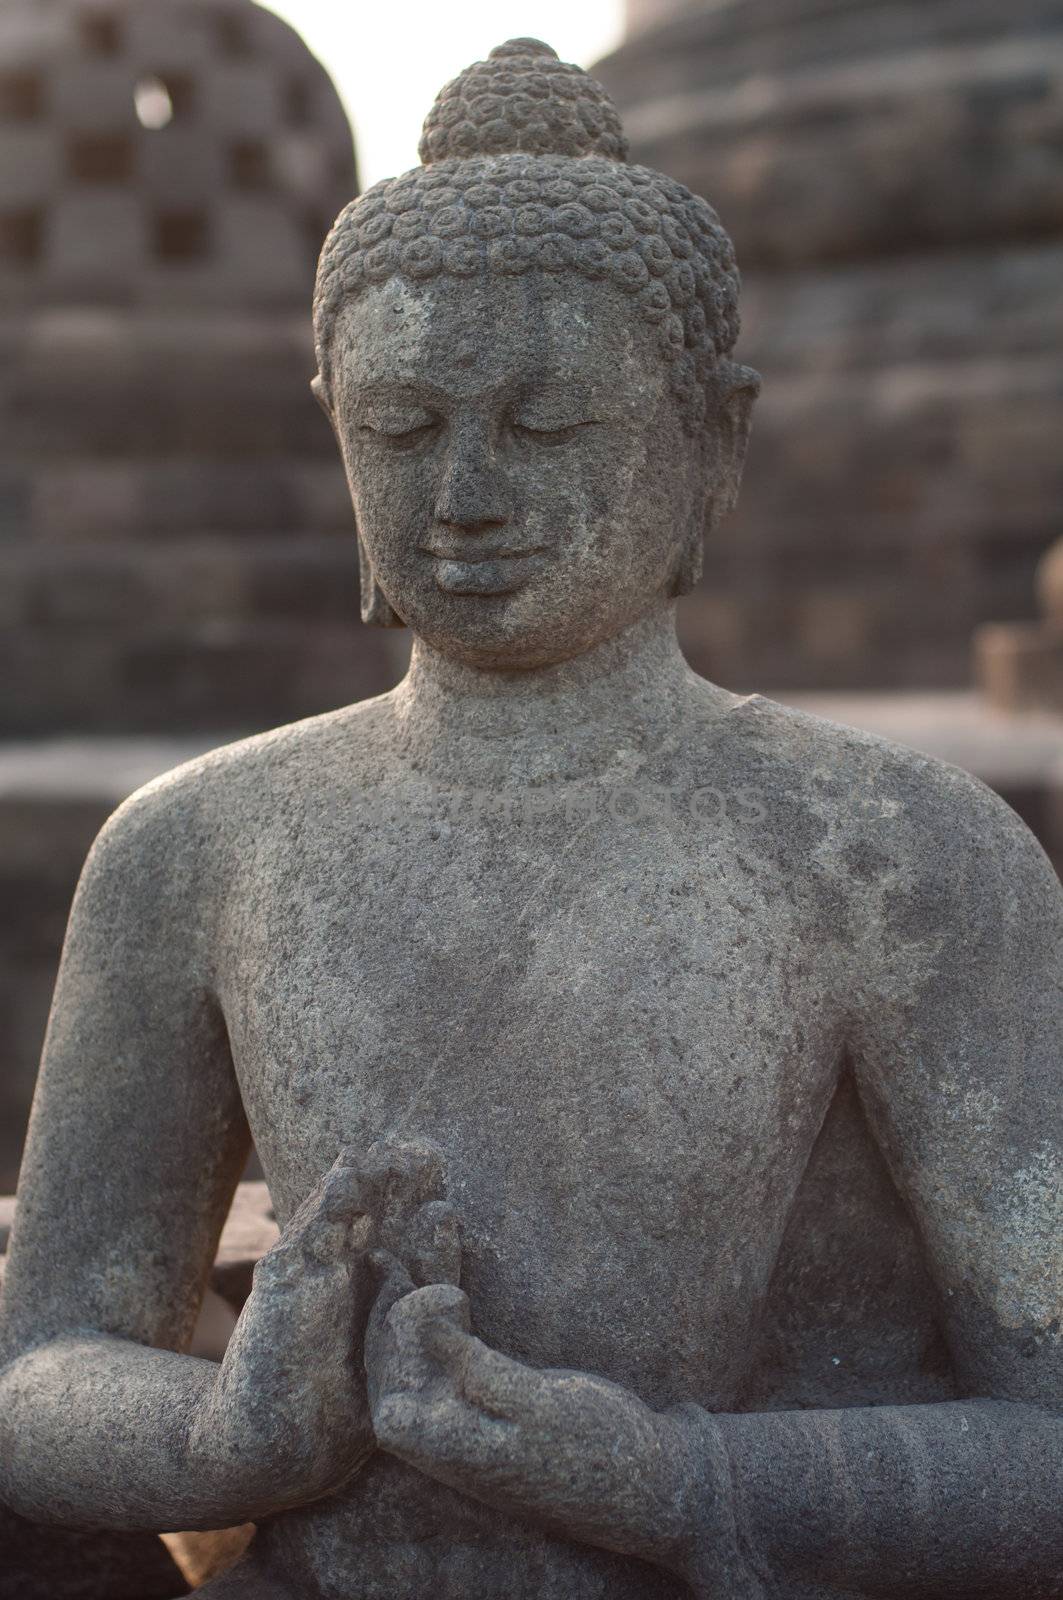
{"x": 377, "y": 611}
{"x": 729, "y": 417}
{"x": 727, "y": 423}
{"x": 320, "y": 394}
{"x": 741, "y": 386}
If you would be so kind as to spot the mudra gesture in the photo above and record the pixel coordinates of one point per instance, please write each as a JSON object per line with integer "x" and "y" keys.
{"x": 541, "y": 1078}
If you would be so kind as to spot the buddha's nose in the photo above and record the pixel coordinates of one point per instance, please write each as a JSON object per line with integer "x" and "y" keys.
{"x": 473, "y": 494}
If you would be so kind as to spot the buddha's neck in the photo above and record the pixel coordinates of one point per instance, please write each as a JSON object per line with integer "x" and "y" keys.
{"x": 633, "y": 683}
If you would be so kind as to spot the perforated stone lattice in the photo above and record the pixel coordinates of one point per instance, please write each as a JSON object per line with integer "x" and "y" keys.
{"x": 229, "y": 199}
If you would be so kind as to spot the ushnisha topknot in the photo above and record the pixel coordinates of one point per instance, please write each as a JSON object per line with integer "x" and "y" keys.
{"x": 522, "y": 98}
{"x": 525, "y": 169}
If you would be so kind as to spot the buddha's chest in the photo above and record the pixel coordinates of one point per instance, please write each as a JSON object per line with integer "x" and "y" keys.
{"x": 621, "y": 1045}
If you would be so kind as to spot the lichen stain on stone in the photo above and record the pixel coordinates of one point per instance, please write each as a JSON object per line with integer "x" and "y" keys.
{"x": 414, "y": 305}
{"x": 1029, "y": 1287}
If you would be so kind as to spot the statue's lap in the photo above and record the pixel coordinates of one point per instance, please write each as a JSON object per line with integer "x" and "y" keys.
{"x": 472, "y": 1552}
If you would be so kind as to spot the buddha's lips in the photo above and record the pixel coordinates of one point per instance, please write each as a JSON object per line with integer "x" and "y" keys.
{"x": 472, "y": 555}
{"x": 485, "y": 574}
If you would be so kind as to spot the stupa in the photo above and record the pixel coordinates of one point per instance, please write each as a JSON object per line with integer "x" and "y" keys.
{"x": 890, "y": 175}
{"x": 176, "y": 548}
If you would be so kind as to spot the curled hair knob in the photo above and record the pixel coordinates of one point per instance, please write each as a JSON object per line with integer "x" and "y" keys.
{"x": 523, "y": 47}
{"x": 522, "y": 99}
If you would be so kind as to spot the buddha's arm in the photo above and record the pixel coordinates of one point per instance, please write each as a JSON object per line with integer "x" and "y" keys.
{"x": 961, "y": 1075}
{"x": 137, "y": 1140}
{"x": 961, "y": 1081}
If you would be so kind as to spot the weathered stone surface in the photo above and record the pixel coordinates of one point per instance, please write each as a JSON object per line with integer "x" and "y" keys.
{"x": 1020, "y": 757}
{"x": 565, "y": 996}
{"x": 250, "y": 1231}
{"x": 889, "y": 173}
{"x": 54, "y": 796}
{"x": 42, "y": 1563}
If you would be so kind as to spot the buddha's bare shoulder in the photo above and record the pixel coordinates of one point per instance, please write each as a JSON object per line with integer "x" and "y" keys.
{"x": 889, "y": 826}
{"x": 189, "y": 814}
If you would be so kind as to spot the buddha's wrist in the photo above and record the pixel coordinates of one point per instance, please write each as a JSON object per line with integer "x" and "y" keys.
{"x": 710, "y": 1553}
{"x": 246, "y": 1450}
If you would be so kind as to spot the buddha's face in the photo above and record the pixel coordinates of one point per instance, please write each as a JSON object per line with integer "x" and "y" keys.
{"x": 521, "y": 477}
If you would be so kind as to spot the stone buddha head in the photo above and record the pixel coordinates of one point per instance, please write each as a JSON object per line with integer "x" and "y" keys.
{"x": 524, "y": 347}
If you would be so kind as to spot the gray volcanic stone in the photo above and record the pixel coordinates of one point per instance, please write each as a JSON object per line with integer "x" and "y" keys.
{"x": 657, "y": 1090}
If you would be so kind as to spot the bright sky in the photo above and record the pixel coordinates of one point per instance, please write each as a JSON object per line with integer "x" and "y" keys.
{"x": 389, "y": 61}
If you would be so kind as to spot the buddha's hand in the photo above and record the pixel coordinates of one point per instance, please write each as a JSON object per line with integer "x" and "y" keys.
{"x": 576, "y": 1453}
{"x": 290, "y": 1413}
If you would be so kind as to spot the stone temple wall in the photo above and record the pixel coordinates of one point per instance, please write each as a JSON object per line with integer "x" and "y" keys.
{"x": 892, "y": 174}
{"x": 177, "y": 554}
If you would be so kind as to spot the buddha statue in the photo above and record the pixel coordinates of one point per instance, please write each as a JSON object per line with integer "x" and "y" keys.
{"x": 658, "y": 1088}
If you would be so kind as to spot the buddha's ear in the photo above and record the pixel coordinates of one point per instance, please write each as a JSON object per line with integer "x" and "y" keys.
{"x": 729, "y": 415}
{"x": 730, "y": 419}
{"x": 319, "y": 390}
{"x": 377, "y": 610}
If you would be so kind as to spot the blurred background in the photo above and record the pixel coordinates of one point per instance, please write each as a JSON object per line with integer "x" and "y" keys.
{"x": 177, "y": 563}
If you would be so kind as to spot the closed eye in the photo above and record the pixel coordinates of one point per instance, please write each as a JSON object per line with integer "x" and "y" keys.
{"x": 394, "y": 436}
{"x": 550, "y": 436}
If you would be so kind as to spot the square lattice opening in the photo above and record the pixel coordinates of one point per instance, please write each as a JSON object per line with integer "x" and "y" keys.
{"x": 101, "y": 34}
{"x": 182, "y": 91}
{"x": 233, "y": 35}
{"x": 100, "y": 157}
{"x": 21, "y": 96}
{"x": 181, "y": 235}
{"x": 249, "y": 164}
{"x": 21, "y": 237}
{"x": 298, "y": 102}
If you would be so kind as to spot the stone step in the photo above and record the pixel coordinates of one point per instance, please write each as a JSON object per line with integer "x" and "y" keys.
{"x": 77, "y": 500}
{"x": 144, "y": 589}
{"x": 222, "y": 674}
{"x": 110, "y": 384}
{"x": 987, "y": 310}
